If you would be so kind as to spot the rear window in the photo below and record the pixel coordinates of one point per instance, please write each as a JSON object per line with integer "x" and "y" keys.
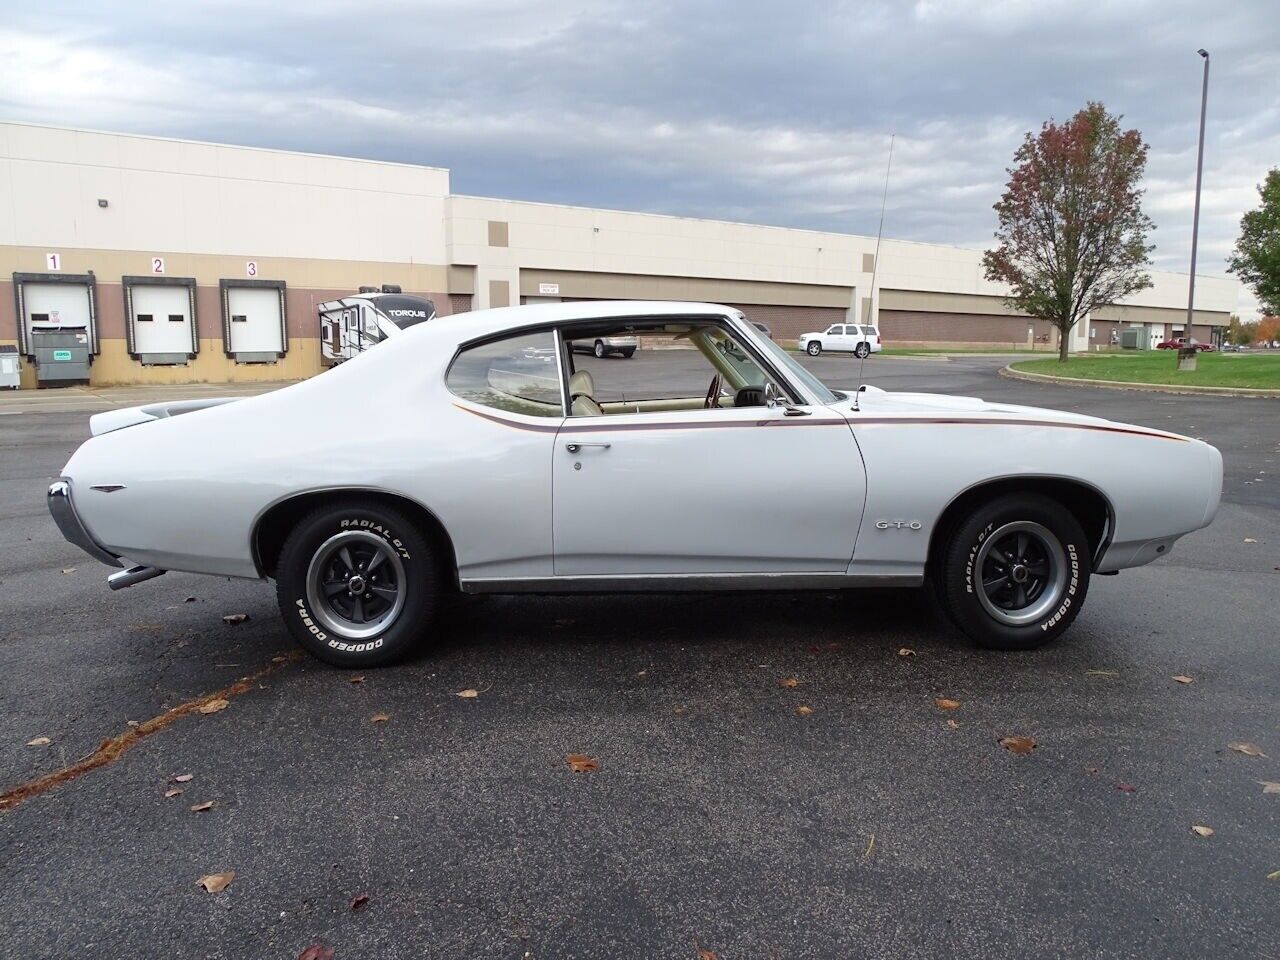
{"x": 872, "y": 332}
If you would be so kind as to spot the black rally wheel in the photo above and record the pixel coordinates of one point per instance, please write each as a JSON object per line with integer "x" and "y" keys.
{"x": 357, "y": 584}
{"x": 1016, "y": 572}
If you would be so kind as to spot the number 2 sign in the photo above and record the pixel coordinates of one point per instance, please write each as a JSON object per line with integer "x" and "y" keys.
{"x": 157, "y": 264}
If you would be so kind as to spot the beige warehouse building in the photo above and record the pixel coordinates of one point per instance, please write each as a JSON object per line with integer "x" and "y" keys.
{"x": 194, "y": 262}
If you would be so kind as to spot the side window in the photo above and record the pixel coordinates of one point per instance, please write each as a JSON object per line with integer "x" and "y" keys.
{"x": 853, "y": 331}
{"x": 836, "y": 330}
{"x": 519, "y": 374}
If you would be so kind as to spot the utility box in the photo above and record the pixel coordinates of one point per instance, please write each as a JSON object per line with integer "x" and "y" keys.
{"x": 10, "y": 371}
{"x": 1131, "y": 338}
{"x": 62, "y": 354}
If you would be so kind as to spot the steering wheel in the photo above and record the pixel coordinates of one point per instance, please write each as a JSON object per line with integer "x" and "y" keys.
{"x": 713, "y": 394}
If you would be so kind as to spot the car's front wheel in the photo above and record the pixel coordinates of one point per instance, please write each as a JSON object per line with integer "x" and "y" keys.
{"x": 814, "y": 348}
{"x": 357, "y": 584}
{"x": 1015, "y": 572}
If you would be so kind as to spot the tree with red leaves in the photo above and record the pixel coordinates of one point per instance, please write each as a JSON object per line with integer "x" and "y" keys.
{"x": 1071, "y": 235}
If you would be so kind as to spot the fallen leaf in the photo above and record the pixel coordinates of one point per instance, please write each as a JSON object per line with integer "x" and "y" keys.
{"x": 379, "y": 718}
{"x": 953, "y": 725}
{"x": 38, "y": 742}
{"x": 359, "y": 679}
{"x": 133, "y": 723}
{"x": 468, "y": 694}
{"x": 217, "y": 882}
{"x": 317, "y": 951}
{"x": 279, "y": 659}
{"x": 1102, "y": 673}
{"x": 1269, "y": 786}
{"x": 581, "y": 763}
{"x": 679, "y": 711}
{"x": 1018, "y": 745}
{"x": 1125, "y": 787}
{"x": 1250, "y": 540}
{"x": 234, "y": 618}
{"x": 641, "y": 674}
{"x": 1248, "y": 749}
{"x": 803, "y": 711}
{"x": 871, "y": 845}
{"x": 789, "y": 682}
{"x": 1200, "y": 831}
{"x": 1181, "y": 679}
{"x": 202, "y": 807}
{"x": 183, "y": 778}
{"x": 68, "y": 569}
{"x": 942, "y": 703}
{"x": 1091, "y": 770}
{"x": 175, "y": 792}
{"x": 704, "y": 954}
{"x": 359, "y": 900}
{"x": 906, "y": 652}
{"x": 189, "y": 600}
{"x": 1274, "y": 875}
{"x": 213, "y": 706}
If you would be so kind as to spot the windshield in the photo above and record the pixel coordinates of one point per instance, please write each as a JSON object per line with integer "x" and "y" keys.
{"x": 790, "y": 366}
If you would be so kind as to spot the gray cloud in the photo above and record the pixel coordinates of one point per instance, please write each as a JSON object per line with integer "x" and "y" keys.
{"x": 771, "y": 112}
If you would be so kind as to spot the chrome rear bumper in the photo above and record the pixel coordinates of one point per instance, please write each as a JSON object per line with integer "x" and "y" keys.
{"x": 68, "y": 521}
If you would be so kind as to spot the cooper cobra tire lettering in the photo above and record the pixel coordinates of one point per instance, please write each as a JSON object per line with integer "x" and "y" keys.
{"x": 1072, "y": 585}
{"x": 308, "y": 622}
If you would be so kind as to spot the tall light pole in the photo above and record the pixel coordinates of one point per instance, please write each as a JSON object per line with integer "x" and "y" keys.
{"x": 1187, "y": 353}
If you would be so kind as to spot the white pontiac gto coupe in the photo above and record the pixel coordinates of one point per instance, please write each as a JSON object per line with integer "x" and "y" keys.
{"x": 477, "y": 453}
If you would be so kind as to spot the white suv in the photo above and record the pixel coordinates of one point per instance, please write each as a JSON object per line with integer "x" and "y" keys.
{"x": 847, "y": 337}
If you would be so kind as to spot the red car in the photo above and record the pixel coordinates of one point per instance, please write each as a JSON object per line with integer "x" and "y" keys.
{"x": 1177, "y": 343}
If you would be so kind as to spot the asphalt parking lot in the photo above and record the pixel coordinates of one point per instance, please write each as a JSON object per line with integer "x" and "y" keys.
{"x": 719, "y": 817}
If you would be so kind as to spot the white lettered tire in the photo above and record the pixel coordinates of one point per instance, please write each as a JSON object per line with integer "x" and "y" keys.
{"x": 1016, "y": 571}
{"x": 356, "y": 583}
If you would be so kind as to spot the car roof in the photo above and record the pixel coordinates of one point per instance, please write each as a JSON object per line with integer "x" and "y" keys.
{"x": 463, "y": 327}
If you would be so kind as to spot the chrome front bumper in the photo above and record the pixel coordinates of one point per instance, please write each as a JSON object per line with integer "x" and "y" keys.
{"x": 68, "y": 521}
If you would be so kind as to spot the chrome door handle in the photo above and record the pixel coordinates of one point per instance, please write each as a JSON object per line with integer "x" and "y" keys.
{"x": 577, "y": 445}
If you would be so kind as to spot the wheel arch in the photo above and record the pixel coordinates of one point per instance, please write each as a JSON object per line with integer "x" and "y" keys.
{"x": 272, "y": 526}
{"x": 1089, "y": 505}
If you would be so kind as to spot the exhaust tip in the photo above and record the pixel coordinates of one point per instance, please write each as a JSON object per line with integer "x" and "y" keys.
{"x": 127, "y": 578}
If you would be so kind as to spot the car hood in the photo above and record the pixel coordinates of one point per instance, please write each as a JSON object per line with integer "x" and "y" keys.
{"x": 872, "y": 401}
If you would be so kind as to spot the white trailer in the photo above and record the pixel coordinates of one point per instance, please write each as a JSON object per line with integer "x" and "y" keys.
{"x": 356, "y": 323}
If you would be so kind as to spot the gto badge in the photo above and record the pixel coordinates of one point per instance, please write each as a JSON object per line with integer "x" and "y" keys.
{"x": 898, "y": 525}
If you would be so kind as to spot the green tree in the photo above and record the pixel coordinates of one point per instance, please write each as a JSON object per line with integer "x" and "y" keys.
{"x": 1071, "y": 235}
{"x": 1257, "y": 258}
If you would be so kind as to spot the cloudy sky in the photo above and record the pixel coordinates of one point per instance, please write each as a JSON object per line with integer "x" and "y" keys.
{"x": 735, "y": 109}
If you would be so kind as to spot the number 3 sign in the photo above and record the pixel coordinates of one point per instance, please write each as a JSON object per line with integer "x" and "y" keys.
{"x": 251, "y": 268}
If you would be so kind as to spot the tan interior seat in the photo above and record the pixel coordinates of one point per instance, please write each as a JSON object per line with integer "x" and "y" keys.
{"x": 582, "y": 399}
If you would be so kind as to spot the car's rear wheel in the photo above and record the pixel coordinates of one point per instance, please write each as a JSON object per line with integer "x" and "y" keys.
{"x": 814, "y": 348}
{"x": 599, "y": 349}
{"x": 1015, "y": 572}
{"x": 862, "y": 350}
{"x": 357, "y": 584}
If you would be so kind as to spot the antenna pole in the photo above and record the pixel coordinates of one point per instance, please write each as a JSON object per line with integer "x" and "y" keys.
{"x": 873, "y": 305}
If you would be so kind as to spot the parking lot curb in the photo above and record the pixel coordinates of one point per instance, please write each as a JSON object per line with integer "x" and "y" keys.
{"x": 1008, "y": 372}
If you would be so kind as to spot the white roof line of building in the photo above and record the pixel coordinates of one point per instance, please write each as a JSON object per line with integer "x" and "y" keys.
{"x": 215, "y": 143}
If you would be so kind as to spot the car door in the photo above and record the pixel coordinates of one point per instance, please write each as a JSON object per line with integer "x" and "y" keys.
{"x": 720, "y": 491}
{"x": 834, "y": 338}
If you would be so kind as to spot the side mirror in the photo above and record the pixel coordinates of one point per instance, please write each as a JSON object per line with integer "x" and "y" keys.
{"x": 770, "y": 394}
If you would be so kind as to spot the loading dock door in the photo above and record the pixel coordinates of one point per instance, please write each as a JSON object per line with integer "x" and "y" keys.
{"x": 161, "y": 325}
{"x": 59, "y": 304}
{"x": 254, "y": 323}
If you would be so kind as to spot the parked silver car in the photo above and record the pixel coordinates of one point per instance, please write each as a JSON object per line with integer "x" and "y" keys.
{"x": 603, "y": 346}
